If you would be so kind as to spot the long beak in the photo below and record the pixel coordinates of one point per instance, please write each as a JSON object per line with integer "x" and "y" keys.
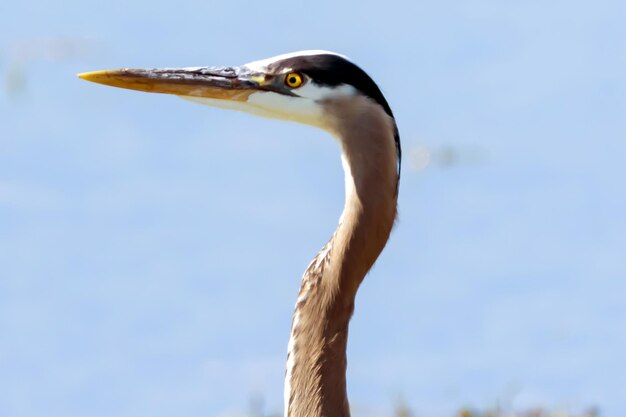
{"x": 225, "y": 83}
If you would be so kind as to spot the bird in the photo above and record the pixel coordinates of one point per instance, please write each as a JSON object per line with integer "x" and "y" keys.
{"x": 328, "y": 91}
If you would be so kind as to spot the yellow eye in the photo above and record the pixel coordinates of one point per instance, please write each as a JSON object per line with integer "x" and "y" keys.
{"x": 294, "y": 79}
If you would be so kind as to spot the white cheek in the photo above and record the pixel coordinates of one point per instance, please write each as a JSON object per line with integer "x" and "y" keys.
{"x": 283, "y": 107}
{"x": 316, "y": 92}
{"x": 222, "y": 104}
{"x": 271, "y": 105}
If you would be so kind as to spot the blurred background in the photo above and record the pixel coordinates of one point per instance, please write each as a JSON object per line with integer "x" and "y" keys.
{"x": 151, "y": 249}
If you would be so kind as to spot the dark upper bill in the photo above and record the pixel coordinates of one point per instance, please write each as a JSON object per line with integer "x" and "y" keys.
{"x": 226, "y": 83}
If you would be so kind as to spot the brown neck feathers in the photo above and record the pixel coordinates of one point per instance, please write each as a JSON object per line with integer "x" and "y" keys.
{"x": 315, "y": 381}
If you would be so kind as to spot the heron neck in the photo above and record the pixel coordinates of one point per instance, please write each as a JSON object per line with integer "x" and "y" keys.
{"x": 315, "y": 381}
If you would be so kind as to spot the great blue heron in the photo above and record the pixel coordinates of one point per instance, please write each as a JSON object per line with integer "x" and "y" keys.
{"x": 328, "y": 91}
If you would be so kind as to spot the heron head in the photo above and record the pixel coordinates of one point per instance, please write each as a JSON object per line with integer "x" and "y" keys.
{"x": 296, "y": 87}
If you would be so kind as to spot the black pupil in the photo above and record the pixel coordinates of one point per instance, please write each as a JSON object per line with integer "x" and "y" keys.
{"x": 293, "y": 80}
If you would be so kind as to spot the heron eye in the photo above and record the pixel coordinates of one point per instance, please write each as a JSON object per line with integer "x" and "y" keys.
{"x": 294, "y": 80}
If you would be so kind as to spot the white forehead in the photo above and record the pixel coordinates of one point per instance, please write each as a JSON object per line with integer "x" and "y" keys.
{"x": 263, "y": 63}
{"x": 309, "y": 90}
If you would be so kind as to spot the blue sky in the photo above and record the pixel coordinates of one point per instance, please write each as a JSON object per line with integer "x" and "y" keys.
{"x": 151, "y": 249}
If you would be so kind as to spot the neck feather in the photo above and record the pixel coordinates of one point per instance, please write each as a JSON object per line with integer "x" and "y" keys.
{"x": 315, "y": 380}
